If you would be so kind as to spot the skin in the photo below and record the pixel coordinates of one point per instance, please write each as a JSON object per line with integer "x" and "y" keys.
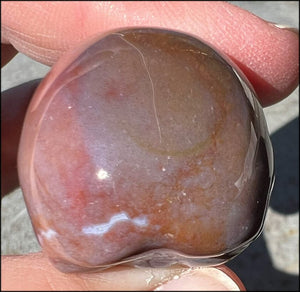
{"x": 267, "y": 55}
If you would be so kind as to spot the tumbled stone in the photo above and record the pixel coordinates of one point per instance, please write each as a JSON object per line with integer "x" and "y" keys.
{"x": 141, "y": 140}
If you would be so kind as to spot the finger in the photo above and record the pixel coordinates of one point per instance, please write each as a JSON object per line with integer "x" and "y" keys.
{"x": 267, "y": 55}
{"x": 7, "y": 53}
{"x": 14, "y": 103}
{"x": 34, "y": 272}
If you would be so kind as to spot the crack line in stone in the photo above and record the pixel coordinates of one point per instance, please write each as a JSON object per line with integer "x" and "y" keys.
{"x": 152, "y": 86}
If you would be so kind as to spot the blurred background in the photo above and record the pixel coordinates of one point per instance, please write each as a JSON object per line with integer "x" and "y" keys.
{"x": 272, "y": 261}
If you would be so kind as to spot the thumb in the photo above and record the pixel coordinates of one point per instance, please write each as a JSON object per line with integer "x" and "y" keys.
{"x": 35, "y": 272}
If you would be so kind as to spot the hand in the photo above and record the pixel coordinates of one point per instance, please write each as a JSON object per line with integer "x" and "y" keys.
{"x": 267, "y": 55}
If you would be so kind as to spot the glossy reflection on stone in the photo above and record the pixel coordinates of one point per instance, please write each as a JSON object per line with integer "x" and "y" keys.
{"x": 144, "y": 139}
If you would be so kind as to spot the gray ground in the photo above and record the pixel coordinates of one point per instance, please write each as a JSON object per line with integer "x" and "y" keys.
{"x": 272, "y": 261}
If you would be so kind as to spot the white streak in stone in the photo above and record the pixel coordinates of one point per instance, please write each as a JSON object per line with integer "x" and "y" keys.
{"x": 248, "y": 165}
{"x": 101, "y": 229}
{"x": 102, "y": 174}
{"x": 140, "y": 221}
{"x": 48, "y": 234}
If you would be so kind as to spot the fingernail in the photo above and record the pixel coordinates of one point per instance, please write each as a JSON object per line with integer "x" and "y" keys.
{"x": 197, "y": 279}
{"x": 286, "y": 27}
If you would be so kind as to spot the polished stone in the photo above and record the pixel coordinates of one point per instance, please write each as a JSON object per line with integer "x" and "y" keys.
{"x": 140, "y": 140}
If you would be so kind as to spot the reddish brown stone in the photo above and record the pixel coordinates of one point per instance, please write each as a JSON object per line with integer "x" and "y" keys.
{"x": 144, "y": 139}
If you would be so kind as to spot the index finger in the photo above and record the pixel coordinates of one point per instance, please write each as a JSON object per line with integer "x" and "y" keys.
{"x": 267, "y": 55}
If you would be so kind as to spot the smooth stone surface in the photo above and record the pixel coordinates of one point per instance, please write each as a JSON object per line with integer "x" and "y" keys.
{"x": 141, "y": 140}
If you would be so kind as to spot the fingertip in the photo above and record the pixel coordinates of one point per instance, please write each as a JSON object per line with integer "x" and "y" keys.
{"x": 267, "y": 54}
{"x": 273, "y": 68}
{"x": 204, "y": 279}
{"x": 232, "y": 275}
